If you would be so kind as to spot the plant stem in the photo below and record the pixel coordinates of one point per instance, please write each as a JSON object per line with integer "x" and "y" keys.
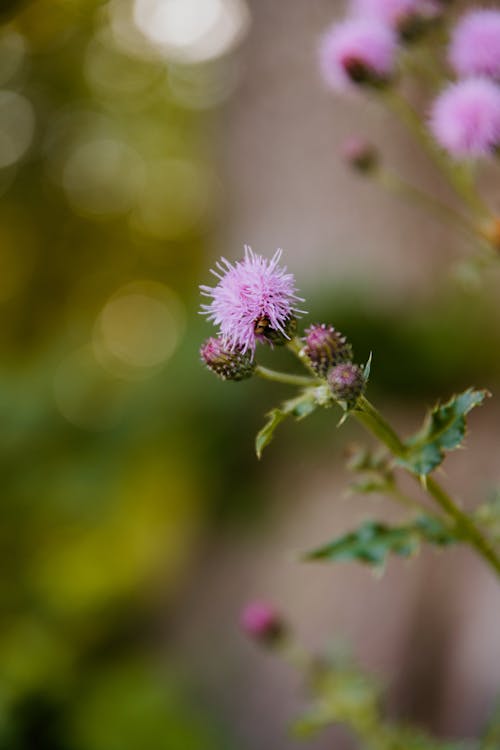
{"x": 370, "y": 417}
{"x": 458, "y": 179}
{"x": 396, "y": 184}
{"x": 285, "y": 377}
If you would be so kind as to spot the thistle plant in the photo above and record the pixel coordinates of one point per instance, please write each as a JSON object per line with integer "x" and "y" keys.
{"x": 387, "y": 48}
{"x": 254, "y": 303}
{"x": 338, "y": 692}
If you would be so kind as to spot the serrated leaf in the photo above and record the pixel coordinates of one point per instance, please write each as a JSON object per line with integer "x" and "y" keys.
{"x": 373, "y": 542}
{"x": 265, "y": 435}
{"x": 370, "y": 485}
{"x": 299, "y": 408}
{"x": 443, "y": 430}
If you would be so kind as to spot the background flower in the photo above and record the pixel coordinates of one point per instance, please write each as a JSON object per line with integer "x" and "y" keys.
{"x": 465, "y": 118}
{"x": 475, "y": 44}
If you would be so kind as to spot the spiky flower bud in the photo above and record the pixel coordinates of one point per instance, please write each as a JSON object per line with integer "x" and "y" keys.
{"x": 262, "y": 622}
{"x": 227, "y": 364}
{"x": 359, "y": 154}
{"x": 273, "y": 336}
{"x": 325, "y": 348}
{"x": 347, "y": 383}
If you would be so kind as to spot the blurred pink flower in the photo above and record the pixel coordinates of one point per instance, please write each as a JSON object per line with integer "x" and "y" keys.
{"x": 260, "y": 620}
{"x": 253, "y": 292}
{"x": 389, "y": 12}
{"x": 358, "y": 50}
{"x": 465, "y": 118}
{"x": 475, "y": 44}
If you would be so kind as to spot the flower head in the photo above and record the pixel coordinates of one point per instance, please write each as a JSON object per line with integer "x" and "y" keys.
{"x": 465, "y": 118}
{"x": 227, "y": 364}
{"x": 390, "y": 12}
{"x": 407, "y": 17}
{"x": 475, "y": 44}
{"x": 357, "y": 51}
{"x": 253, "y": 296}
{"x": 347, "y": 383}
{"x": 324, "y": 347}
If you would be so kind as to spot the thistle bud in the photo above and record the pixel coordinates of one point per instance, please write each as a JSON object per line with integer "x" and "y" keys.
{"x": 359, "y": 154}
{"x": 325, "y": 348}
{"x": 261, "y": 622}
{"x": 272, "y": 336}
{"x": 347, "y": 383}
{"x": 227, "y": 364}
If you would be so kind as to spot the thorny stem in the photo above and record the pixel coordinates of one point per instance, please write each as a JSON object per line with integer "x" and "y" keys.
{"x": 371, "y": 418}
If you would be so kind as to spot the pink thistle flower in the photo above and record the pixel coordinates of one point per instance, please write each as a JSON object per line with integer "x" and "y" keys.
{"x": 252, "y": 295}
{"x": 357, "y": 51}
{"x": 389, "y": 12}
{"x": 475, "y": 44}
{"x": 465, "y": 118}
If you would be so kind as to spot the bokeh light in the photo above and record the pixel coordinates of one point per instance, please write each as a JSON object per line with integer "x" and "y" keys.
{"x": 138, "y": 329}
{"x": 17, "y": 127}
{"x": 189, "y": 31}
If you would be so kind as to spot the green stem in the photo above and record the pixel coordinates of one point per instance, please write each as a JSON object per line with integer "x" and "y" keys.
{"x": 285, "y": 377}
{"x": 396, "y": 184}
{"x": 371, "y": 418}
{"x": 411, "y": 503}
{"x": 464, "y": 523}
{"x": 458, "y": 179}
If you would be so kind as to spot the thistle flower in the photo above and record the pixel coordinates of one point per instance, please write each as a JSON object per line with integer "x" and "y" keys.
{"x": 390, "y": 12}
{"x": 407, "y": 17}
{"x": 260, "y": 620}
{"x": 254, "y": 300}
{"x": 357, "y": 51}
{"x": 227, "y": 364}
{"x": 465, "y": 118}
{"x": 475, "y": 44}
{"x": 347, "y": 383}
{"x": 359, "y": 154}
{"x": 324, "y": 347}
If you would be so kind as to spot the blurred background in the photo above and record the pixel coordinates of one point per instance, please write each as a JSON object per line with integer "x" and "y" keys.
{"x": 140, "y": 140}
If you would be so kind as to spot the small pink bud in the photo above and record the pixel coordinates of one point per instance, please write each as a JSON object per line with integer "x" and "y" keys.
{"x": 347, "y": 383}
{"x": 228, "y": 364}
{"x": 260, "y": 621}
{"x": 359, "y": 154}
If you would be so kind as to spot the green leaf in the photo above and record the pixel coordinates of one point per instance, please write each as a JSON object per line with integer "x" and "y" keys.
{"x": 373, "y": 542}
{"x": 299, "y": 408}
{"x": 369, "y": 485}
{"x": 368, "y": 367}
{"x": 265, "y": 435}
{"x": 443, "y": 430}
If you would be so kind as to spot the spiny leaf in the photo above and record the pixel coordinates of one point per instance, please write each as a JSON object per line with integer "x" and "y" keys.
{"x": 265, "y": 435}
{"x": 368, "y": 485}
{"x": 368, "y": 367}
{"x": 443, "y": 430}
{"x": 299, "y": 408}
{"x": 373, "y": 542}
